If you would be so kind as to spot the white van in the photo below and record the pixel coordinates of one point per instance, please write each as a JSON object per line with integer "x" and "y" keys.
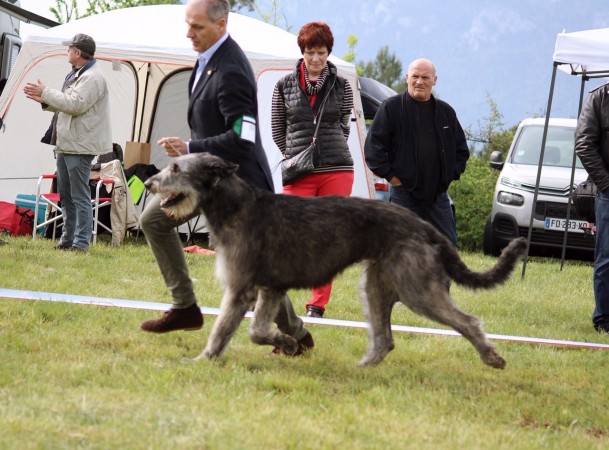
{"x": 515, "y": 189}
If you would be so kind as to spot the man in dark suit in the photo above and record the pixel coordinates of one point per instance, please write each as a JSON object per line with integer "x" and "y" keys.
{"x": 222, "y": 115}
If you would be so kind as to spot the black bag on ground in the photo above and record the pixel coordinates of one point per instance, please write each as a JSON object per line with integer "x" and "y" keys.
{"x": 583, "y": 199}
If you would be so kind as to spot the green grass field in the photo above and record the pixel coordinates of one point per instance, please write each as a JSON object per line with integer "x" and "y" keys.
{"x": 81, "y": 376}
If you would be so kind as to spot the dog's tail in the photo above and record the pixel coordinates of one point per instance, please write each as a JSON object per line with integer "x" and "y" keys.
{"x": 499, "y": 273}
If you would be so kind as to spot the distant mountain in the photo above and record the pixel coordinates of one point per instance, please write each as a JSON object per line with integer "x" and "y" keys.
{"x": 481, "y": 47}
{"x": 497, "y": 48}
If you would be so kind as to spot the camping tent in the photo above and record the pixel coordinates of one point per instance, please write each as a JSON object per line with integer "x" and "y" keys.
{"x": 584, "y": 54}
{"x": 146, "y": 59}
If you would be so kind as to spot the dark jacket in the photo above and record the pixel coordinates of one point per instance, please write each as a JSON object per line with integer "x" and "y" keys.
{"x": 592, "y": 136}
{"x": 225, "y": 93}
{"x": 392, "y": 142}
{"x": 333, "y": 150}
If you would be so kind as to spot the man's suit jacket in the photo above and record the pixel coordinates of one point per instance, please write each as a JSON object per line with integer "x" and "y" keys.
{"x": 225, "y": 92}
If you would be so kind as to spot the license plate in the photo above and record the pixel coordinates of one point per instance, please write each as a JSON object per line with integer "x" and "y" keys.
{"x": 560, "y": 224}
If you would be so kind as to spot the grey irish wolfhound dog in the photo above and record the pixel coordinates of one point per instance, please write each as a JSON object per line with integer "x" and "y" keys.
{"x": 268, "y": 243}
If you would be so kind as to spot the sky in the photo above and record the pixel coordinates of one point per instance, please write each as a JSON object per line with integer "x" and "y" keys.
{"x": 481, "y": 48}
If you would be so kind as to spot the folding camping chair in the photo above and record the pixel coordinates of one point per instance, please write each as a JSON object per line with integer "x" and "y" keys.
{"x": 52, "y": 201}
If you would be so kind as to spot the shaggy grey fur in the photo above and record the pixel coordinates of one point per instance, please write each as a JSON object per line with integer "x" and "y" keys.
{"x": 267, "y": 243}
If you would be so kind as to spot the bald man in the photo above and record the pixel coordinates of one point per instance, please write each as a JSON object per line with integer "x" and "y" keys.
{"x": 417, "y": 144}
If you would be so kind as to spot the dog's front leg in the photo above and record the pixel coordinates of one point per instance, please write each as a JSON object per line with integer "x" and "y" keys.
{"x": 262, "y": 331}
{"x": 232, "y": 309}
{"x": 377, "y": 302}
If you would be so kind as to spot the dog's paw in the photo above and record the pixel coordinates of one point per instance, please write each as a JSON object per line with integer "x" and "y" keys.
{"x": 206, "y": 354}
{"x": 494, "y": 359}
{"x": 370, "y": 361}
{"x": 376, "y": 354}
{"x": 290, "y": 347}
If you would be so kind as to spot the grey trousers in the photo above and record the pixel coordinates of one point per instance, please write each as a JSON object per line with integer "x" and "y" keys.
{"x": 162, "y": 236}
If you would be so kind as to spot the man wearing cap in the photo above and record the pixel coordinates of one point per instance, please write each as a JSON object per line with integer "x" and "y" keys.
{"x": 80, "y": 130}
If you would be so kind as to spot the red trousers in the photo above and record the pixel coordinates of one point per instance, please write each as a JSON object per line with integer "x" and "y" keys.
{"x": 320, "y": 185}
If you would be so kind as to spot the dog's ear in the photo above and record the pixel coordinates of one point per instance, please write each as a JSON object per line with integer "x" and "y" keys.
{"x": 221, "y": 167}
{"x": 230, "y": 167}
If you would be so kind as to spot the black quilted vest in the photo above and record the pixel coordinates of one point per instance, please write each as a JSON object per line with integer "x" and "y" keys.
{"x": 333, "y": 148}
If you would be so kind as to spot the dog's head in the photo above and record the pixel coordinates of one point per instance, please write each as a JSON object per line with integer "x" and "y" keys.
{"x": 187, "y": 180}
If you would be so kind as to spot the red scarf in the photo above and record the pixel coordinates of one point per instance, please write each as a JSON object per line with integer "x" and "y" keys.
{"x": 303, "y": 84}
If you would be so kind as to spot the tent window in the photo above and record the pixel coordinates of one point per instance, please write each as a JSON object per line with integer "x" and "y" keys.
{"x": 11, "y": 45}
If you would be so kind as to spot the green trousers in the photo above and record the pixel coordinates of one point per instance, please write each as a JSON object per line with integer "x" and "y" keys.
{"x": 164, "y": 241}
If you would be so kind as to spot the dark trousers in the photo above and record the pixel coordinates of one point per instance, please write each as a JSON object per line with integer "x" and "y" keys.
{"x": 439, "y": 214}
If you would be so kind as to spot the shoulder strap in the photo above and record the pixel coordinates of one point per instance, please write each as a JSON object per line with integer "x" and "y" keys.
{"x": 321, "y": 110}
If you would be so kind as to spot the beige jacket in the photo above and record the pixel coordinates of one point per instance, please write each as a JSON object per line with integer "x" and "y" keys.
{"x": 123, "y": 214}
{"x": 83, "y": 122}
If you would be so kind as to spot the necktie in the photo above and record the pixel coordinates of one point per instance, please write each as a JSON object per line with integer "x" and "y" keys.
{"x": 201, "y": 63}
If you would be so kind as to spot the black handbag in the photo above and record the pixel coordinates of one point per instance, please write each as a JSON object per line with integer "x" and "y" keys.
{"x": 298, "y": 165}
{"x": 583, "y": 199}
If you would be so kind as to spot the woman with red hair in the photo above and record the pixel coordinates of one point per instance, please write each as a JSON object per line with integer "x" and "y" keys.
{"x": 298, "y": 98}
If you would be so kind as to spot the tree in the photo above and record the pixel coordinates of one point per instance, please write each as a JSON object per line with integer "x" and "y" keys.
{"x": 100, "y": 6}
{"x": 491, "y": 133}
{"x": 386, "y": 69}
{"x": 352, "y": 41}
{"x": 273, "y": 16}
{"x": 236, "y": 5}
{"x": 473, "y": 193}
{"x": 64, "y": 10}
{"x": 67, "y": 10}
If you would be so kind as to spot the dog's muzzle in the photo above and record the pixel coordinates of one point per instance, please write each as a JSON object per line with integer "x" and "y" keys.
{"x": 172, "y": 200}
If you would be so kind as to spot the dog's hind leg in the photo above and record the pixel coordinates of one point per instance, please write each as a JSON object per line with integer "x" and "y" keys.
{"x": 436, "y": 304}
{"x": 377, "y": 301}
{"x": 262, "y": 331}
{"x": 233, "y": 308}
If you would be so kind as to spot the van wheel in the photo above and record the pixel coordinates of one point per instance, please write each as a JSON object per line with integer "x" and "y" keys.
{"x": 488, "y": 246}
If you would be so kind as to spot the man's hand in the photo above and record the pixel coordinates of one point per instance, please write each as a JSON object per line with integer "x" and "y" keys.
{"x": 34, "y": 91}
{"x": 174, "y": 146}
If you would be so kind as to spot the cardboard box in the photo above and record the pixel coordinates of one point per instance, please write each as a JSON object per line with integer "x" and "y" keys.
{"x": 136, "y": 153}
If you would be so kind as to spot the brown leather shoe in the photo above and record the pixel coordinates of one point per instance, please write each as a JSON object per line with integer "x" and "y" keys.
{"x": 304, "y": 345}
{"x": 176, "y": 319}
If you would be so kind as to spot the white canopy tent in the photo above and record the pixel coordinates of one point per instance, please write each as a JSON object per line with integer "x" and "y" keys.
{"x": 584, "y": 54}
{"x": 146, "y": 59}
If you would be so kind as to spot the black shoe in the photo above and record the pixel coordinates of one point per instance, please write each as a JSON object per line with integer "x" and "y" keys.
{"x": 61, "y": 246}
{"x": 78, "y": 249}
{"x": 315, "y": 311}
{"x": 602, "y": 328}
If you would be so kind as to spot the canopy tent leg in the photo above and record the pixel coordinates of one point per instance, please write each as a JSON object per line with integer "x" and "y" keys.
{"x": 539, "y": 166}
{"x": 571, "y": 187}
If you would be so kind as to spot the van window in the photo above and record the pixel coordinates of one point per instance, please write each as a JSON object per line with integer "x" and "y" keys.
{"x": 560, "y": 146}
